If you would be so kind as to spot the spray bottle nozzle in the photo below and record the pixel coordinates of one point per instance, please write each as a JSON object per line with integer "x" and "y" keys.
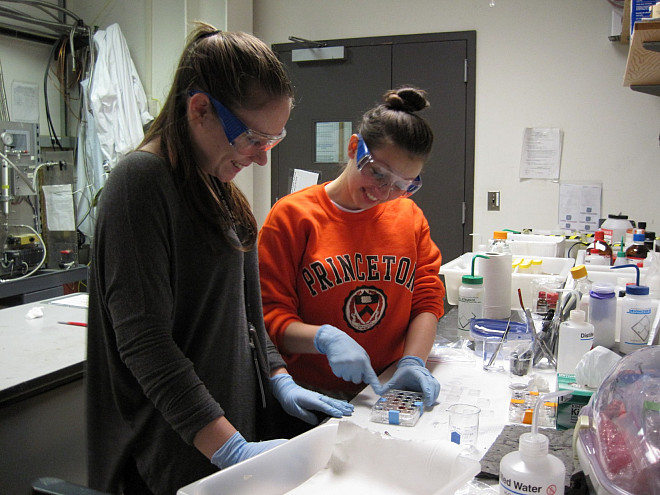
{"x": 474, "y": 258}
{"x": 474, "y": 279}
{"x": 628, "y": 266}
{"x": 542, "y": 400}
{"x": 535, "y": 443}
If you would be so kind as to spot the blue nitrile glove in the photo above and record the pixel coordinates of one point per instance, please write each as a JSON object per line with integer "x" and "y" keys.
{"x": 347, "y": 358}
{"x": 300, "y": 402}
{"x": 411, "y": 374}
{"x": 237, "y": 449}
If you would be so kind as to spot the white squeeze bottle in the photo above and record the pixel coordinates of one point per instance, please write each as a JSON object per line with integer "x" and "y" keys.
{"x": 531, "y": 469}
{"x": 637, "y": 314}
{"x": 576, "y": 338}
{"x": 470, "y": 300}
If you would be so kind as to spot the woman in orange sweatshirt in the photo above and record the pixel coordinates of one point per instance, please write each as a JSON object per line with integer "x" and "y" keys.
{"x": 349, "y": 273}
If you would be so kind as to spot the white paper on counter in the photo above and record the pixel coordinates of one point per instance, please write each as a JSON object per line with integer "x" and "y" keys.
{"x": 367, "y": 462}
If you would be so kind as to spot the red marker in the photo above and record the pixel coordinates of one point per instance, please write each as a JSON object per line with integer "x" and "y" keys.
{"x": 75, "y": 323}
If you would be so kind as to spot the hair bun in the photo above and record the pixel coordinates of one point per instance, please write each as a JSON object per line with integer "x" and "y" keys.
{"x": 406, "y": 99}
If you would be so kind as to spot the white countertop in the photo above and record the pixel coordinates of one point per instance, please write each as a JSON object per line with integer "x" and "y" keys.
{"x": 461, "y": 382}
{"x": 34, "y": 348}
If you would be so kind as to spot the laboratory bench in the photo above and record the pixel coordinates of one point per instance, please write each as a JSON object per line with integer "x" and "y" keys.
{"x": 44, "y": 284}
{"x": 458, "y": 369}
{"x": 42, "y": 395}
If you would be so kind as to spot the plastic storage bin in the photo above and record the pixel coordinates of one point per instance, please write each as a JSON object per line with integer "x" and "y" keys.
{"x": 287, "y": 466}
{"x": 551, "y": 268}
{"x": 536, "y": 245}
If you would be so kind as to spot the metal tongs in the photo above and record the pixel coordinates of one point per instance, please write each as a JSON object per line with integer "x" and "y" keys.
{"x": 539, "y": 342}
{"x": 501, "y": 342}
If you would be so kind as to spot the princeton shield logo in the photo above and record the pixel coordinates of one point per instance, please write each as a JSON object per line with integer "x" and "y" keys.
{"x": 364, "y": 308}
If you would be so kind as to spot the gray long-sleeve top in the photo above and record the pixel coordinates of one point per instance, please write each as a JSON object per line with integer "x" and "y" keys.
{"x": 168, "y": 345}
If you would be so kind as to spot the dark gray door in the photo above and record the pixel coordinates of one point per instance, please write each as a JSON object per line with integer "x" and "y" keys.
{"x": 341, "y": 90}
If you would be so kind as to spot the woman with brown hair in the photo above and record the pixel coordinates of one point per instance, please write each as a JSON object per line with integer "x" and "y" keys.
{"x": 180, "y": 369}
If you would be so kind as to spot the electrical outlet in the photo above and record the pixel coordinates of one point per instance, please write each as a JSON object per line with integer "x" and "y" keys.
{"x": 493, "y": 201}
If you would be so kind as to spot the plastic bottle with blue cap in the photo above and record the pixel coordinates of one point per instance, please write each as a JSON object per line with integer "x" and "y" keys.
{"x": 470, "y": 299}
{"x": 637, "y": 312}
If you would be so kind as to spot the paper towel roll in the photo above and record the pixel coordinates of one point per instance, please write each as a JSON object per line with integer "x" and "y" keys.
{"x": 496, "y": 271}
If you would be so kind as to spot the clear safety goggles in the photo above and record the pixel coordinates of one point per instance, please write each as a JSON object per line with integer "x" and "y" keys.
{"x": 381, "y": 175}
{"x": 244, "y": 140}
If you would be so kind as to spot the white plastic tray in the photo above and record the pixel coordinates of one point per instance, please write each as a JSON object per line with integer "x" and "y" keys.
{"x": 289, "y": 465}
{"x": 536, "y": 245}
{"x": 552, "y": 268}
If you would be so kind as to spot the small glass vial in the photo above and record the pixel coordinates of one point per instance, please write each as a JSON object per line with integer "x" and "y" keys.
{"x": 516, "y": 410}
{"x": 542, "y": 302}
{"x": 548, "y": 414}
{"x": 517, "y": 402}
{"x": 518, "y": 391}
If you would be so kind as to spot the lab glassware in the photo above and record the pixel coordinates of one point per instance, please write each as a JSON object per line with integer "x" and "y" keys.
{"x": 464, "y": 425}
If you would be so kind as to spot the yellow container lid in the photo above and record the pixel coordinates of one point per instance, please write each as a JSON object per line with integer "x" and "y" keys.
{"x": 579, "y": 271}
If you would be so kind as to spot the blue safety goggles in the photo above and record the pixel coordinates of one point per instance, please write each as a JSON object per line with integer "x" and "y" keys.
{"x": 381, "y": 175}
{"x": 245, "y": 140}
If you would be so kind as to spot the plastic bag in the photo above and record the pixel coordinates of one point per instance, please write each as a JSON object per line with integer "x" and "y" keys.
{"x": 626, "y": 417}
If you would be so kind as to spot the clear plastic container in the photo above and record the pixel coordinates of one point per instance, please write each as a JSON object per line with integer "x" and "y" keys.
{"x": 618, "y": 439}
{"x": 398, "y": 407}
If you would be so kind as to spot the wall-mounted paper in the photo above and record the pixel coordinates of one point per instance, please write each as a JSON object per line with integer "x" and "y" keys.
{"x": 302, "y": 179}
{"x": 541, "y": 153}
{"x": 579, "y": 206}
{"x": 332, "y": 141}
{"x": 25, "y": 102}
{"x": 59, "y": 207}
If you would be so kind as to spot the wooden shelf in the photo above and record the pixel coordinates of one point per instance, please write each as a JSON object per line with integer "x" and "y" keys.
{"x": 643, "y": 64}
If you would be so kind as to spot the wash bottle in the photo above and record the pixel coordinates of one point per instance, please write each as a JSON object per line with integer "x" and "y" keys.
{"x": 470, "y": 299}
{"x": 637, "y": 313}
{"x": 531, "y": 469}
